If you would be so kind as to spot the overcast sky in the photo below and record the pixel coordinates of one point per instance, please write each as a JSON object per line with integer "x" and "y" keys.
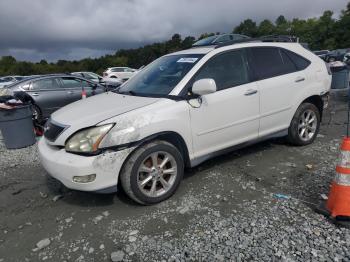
{"x": 74, "y": 29}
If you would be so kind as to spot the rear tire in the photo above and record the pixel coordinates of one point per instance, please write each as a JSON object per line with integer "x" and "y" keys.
{"x": 152, "y": 173}
{"x": 305, "y": 125}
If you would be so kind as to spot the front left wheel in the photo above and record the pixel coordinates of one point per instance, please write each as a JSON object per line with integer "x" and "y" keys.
{"x": 152, "y": 173}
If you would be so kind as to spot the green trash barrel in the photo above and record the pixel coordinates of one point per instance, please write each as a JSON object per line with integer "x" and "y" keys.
{"x": 16, "y": 126}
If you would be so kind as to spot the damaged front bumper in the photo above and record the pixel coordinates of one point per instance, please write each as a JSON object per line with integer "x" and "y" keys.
{"x": 84, "y": 173}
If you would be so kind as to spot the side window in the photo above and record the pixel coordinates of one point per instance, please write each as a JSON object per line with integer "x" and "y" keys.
{"x": 87, "y": 84}
{"x": 45, "y": 84}
{"x": 288, "y": 65}
{"x": 71, "y": 82}
{"x": 300, "y": 62}
{"x": 267, "y": 62}
{"x": 117, "y": 70}
{"x": 223, "y": 38}
{"x": 228, "y": 69}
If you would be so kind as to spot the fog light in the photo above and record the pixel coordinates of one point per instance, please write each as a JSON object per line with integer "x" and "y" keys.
{"x": 84, "y": 179}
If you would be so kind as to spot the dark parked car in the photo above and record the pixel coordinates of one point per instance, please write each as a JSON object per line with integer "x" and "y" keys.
{"x": 52, "y": 92}
{"x": 89, "y": 75}
{"x": 218, "y": 39}
{"x": 336, "y": 55}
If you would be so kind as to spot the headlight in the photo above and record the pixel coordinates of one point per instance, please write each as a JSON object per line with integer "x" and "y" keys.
{"x": 88, "y": 140}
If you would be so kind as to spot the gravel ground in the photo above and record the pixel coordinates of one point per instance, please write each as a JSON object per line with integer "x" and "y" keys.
{"x": 225, "y": 209}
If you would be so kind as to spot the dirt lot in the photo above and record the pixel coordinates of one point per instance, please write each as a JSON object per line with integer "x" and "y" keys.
{"x": 224, "y": 210}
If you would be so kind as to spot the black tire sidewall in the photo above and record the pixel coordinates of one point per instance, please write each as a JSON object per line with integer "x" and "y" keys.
{"x": 133, "y": 176}
{"x": 39, "y": 118}
{"x": 293, "y": 135}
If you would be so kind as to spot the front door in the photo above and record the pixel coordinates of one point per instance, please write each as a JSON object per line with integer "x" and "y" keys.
{"x": 229, "y": 116}
{"x": 73, "y": 88}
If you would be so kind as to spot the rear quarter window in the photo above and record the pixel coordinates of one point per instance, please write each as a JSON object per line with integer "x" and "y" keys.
{"x": 300, "y": 62}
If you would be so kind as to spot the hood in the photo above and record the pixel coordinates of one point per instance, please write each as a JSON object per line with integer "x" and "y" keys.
{"x": 90, "y": 111}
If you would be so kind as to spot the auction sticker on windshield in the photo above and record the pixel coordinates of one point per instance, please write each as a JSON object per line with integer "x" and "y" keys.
{"x": 187, "y": 60}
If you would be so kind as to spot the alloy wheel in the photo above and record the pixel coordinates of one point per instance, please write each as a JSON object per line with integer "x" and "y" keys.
{"x": 157, "y": 174}
{"x": 307, "y": 125}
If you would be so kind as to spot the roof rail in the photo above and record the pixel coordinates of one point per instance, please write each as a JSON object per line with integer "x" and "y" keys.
{"x": 268, "y": 38}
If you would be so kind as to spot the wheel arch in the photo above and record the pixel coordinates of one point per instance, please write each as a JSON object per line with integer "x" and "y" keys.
{"x": 317, "y": 101}
{"x": 173, "y": 138}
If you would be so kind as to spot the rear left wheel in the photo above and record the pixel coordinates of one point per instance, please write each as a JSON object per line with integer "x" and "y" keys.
{"x": 305, "y": 125}
{"x": 152, "y": 173}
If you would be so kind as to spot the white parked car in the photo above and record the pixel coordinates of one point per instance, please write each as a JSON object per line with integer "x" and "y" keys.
{"x": 182, "y": 109}
{"x": 123, "y": 73}
{"x": 8, "y": 80}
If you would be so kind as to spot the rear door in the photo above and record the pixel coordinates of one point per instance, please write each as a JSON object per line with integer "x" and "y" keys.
{"x": 48, "y": 95}
{"x": 279, "y": 82}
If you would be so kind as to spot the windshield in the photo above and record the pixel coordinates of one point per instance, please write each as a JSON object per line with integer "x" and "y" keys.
{"x": 161, "y": 76}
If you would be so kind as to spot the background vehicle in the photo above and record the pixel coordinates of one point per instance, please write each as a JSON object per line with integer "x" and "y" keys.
{"x": 109, "y": 83}
{"x": 181, "y": 110}
{"x": 217, "y": 39}
{"x": 52, "y": 92}
{"x": 336, "y": 55}
{"x": 123, "y": 73}
{"x": 8, "y": 80}
{"x": 89, "y": 75}
{"x": 321, "y": 53}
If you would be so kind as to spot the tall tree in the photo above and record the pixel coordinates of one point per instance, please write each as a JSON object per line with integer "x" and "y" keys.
{"x": 266, "y": 27}
{"x": 247, "y": 27}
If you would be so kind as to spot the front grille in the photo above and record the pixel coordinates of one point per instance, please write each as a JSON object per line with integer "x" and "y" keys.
{"x": 53, "y": 130}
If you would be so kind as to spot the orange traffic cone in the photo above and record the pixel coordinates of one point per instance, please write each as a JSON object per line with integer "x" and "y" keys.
{"x": 338, "y": 203}
{"x": 83, "y": 94}
{"x": 337, "y": 207}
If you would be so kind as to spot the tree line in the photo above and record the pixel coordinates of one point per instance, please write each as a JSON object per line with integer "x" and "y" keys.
{"x": 324, "y": 32}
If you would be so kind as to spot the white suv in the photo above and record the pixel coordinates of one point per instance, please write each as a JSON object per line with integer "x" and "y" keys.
{"x": 182, "y": 109}
{"x": 123, "y": 73}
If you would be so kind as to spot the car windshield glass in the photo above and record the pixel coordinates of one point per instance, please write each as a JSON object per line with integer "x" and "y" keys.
{"x": 161, "y": 76}
{"x": 206, "y": 41}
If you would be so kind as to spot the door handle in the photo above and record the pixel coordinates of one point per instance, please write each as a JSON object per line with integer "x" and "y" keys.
{"x": 250, "y": 92}
{"x": 70, "y": 92}
{"x": 299, "y": 79}
{"x": 35, "y": 94}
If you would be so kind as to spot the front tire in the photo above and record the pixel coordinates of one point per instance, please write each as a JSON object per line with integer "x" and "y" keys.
{"x": 152, "y": 173}
{"x": 37, "y": 114}
{"x": 305, "y": 125}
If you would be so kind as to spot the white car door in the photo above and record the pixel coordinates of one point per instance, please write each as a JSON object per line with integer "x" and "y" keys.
{"x": 279, "y": 83}
{"x": 229, "y": 116}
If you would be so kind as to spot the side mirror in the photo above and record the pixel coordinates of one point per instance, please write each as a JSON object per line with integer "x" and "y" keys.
{"x": 204, "y": 86}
